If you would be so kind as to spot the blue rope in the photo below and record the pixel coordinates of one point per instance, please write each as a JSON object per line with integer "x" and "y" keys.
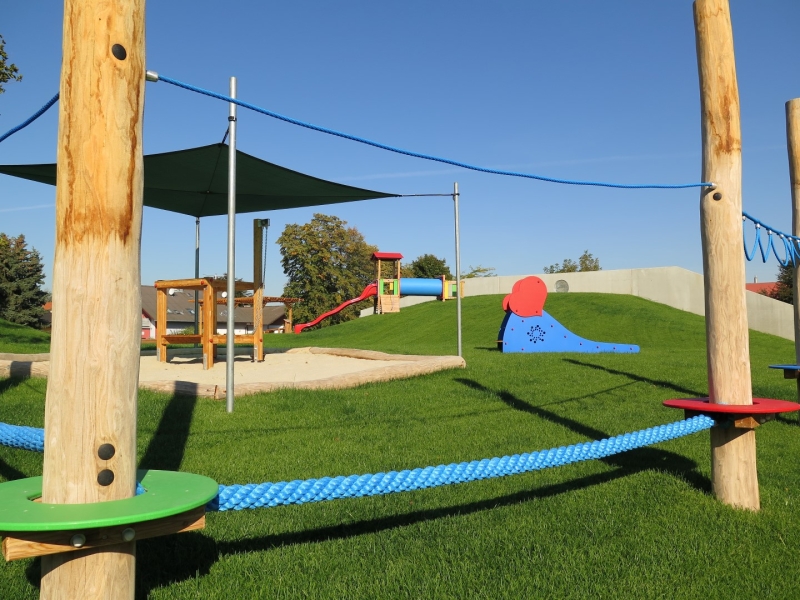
{"x": 31, "y": 119}
{"x": 251, "y": 495}
{"x": 238, "y": 497}
{"x": 791, "y": 243}
{"x": 417, "y": 154}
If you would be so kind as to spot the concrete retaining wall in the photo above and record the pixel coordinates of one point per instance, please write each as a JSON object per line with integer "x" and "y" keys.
{"x": 673, "y": 286}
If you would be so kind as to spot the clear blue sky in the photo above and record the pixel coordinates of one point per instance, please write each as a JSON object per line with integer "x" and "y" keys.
{"x": 576, "y": 89}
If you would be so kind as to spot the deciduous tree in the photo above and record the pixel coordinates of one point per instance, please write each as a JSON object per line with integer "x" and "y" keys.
{"x": 429, "y": 266}
{"x": 326, "y": 263}
{"x": 8, "y": 71}
{"x": 586, "y": 262}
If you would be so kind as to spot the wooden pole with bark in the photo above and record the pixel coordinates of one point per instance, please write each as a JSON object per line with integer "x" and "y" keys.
{"x": 90, "y": 414}
{"x": 733, "y": 451}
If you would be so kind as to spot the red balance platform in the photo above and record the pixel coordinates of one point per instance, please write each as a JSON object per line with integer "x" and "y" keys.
{"x": 744, "y": 416}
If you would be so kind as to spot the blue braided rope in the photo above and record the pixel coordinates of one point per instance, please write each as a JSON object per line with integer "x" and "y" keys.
{"x": 30, "y": 119}
{"x": 791, "y": 243}
{"x": 238, "y": 497}
{"x": 19, "y": 436}
{"x": 456, "y": 163}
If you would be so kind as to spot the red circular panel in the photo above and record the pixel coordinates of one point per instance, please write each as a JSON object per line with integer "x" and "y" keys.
{"x": 760, "y": 406}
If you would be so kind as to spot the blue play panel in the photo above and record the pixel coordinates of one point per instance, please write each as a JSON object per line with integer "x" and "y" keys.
{"x": 545, "y": 334}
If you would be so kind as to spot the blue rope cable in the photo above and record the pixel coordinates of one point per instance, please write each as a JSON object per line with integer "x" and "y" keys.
{"x": 791, "y": 243}
{"x": 251, "y": 495}
{"x": 31, "y": 119}
{"x": 238, "y": 497}
{"x": 361, "y": 140}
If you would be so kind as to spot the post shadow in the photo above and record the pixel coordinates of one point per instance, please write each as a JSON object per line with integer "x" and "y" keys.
{"x": 168, "y": 444}
{"x": 639, "y": 378}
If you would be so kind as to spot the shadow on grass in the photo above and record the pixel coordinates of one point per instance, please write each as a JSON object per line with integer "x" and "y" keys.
{"x": 9, "y": 384}
{"x": 9, "y": 472}
{"x": 639, "y": 378}
{"x": 168, "y": 444}
{"x": 634, "y": 460}
{"x": 176, "y": 558}
{"x": 171, "y": 559}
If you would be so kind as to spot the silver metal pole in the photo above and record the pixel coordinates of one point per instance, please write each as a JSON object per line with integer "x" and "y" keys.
{"x": 196, "y": 276}
{"x": 458, "y": 265}
{"x": 229, "y": 353}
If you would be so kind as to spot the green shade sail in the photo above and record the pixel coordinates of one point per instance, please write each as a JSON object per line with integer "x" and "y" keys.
{"x": 195, "y": 182}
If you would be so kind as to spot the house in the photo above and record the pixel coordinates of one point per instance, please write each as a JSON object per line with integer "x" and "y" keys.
{"x": 181, "y": 309}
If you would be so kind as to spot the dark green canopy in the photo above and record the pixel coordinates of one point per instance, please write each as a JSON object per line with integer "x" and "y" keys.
{"x": 195, "y": 182}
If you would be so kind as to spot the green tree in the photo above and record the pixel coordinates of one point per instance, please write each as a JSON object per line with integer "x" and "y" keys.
{"x": 479, "y": 271}
{"x": 21, "y": 278}
{"x": 784, "y": 288}
{"x": 429, "y": 266}
{"x": 8, "y": 71}
{"x": 586, "y": 262}
{"x": 326, "y": 264}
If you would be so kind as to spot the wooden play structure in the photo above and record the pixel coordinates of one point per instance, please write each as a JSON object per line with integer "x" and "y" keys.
{"x": 387, "y": 300}
{"x": 210, "y": 290}
{"x": 87, "y": 543}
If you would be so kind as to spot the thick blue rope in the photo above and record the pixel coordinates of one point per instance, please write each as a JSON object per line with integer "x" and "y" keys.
{"x": 417, "y": 154}
{"x": 251, "y": 495}
{"x": 791, "y": 243}
{"x": 31, "y": 119}
{"x": 238, "y": 497}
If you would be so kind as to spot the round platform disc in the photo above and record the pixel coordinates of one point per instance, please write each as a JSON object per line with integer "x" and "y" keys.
{"x": 760, "y": 406}
{"x": 167, "y": 493}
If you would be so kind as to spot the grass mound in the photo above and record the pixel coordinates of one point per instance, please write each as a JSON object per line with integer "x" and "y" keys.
{"x": 639, "y": 525}
{"x": 19, "y": 339}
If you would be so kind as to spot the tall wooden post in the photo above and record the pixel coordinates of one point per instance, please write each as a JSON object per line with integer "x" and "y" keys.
{"x": 793, "y": 145}
{"x": 258, "y": 291}
{"x": 733, "y": 451}
{"x": 90, "y": 415}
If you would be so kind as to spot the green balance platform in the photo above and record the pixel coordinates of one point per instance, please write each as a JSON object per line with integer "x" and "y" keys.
{"x": 167, "y": 493}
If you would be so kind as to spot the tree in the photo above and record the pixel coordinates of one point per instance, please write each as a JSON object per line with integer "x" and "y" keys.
{"x": 784, "y": 288}
{"x": 586, "y": 262}
{"x": 479, "y": 271}
{"x": 327, "y": 264}
{"x": 429, "y": 266}
{"x": 21, "y": 278}
{"x": 8, "y": 71}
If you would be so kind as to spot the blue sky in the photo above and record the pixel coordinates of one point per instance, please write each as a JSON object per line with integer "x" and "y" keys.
{"x": 576, "y": 89}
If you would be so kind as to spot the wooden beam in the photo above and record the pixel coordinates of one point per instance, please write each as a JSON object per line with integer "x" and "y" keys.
{"x": 258, "y": 290}
{"x": 733, "y": 451}
{"x": 793, "y": 146}
{"x": 94, "y": 358}
{"x": 42, "y": 543}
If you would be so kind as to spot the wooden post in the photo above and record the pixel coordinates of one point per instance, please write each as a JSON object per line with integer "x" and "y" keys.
{"x": 733, "y": 451}
{"x": 793, "y": 145}
{"x": 161, "y": 324}
{"x": 209, "y": 324}
{"x": 258, "y": 291}
{"x": 94, "y": 361}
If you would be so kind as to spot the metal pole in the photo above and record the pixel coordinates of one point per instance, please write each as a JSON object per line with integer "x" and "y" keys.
{"x": 196, "y": 275}
{"x": 458, "y": 265}
{"x": 229, "y": 353}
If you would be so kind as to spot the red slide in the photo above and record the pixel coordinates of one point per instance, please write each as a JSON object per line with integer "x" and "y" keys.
{"x": 370, "y": 290}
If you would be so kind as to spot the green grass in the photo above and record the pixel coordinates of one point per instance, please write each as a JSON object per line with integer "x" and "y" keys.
{"x": 19, "y": 339}
{"x": 640, "y": 525}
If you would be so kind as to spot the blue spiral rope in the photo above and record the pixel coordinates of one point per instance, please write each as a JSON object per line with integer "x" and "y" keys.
{"x": 30, "y": 119}
{"x": 791, "y": 243}
{"x": 252, "y": 495}
{"x": 238, "y": 497}
{"x": 448, "y": 161}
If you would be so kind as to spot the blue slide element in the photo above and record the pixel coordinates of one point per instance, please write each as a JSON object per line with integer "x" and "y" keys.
{"x": 545, "y": 334}
{"x": 411, "y": 286}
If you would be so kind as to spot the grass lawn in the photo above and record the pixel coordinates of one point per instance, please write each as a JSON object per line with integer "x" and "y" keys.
{"x": 18, "y": 339}
{"x": 638, "y": 525}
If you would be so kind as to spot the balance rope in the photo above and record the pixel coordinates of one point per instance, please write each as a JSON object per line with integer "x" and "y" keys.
{"x": 239, "y": 497}
{"x": 30, "y": 119}
{"x": 791, "y": 243}
{"x": 153, "y": 76}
